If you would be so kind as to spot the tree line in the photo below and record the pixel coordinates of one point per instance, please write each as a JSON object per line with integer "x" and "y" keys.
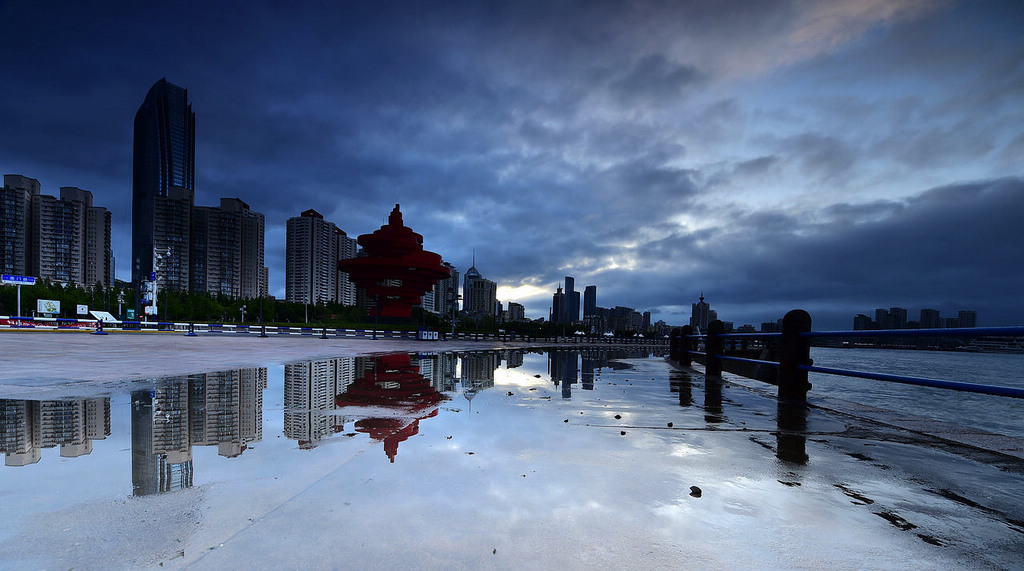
{"x": 184, "y": 307}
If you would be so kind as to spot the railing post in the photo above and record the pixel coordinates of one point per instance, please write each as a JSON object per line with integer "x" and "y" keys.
{"x": 675, "y": 345}
{"x": 685, "y": 358}
{"x": 713, "y": 348}
{"x": 795, "y": 351}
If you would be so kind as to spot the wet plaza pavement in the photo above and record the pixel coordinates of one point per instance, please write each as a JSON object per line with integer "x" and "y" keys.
{"x": 497, "y": 459}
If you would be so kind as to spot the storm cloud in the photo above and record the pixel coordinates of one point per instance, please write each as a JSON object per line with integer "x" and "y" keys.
{"x": 836, "y": 156}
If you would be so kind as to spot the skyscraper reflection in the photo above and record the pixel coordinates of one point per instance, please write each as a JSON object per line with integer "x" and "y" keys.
{"x": 309, "y": 391}
{"x": 563, "y": 365}
{"x": 223, "y": 409}
{"x": 27, "y": 427}
{"x": 478, "y": 370}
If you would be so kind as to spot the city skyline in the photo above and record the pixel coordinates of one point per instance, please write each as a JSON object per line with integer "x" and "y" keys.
{"x": 826, "y": 155}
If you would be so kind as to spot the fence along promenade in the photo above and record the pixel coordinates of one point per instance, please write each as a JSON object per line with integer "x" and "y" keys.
{"x": 324, "y": 332}
{"x": 794, "y": 355}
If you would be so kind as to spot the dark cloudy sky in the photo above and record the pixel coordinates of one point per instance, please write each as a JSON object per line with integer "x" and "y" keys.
{"x": 836, "y": 156}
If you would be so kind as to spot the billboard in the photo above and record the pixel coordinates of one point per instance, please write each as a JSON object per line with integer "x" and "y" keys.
{"x": 47, "y": 306}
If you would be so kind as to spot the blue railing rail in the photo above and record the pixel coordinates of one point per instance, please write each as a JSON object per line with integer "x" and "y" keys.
{"x": 795, "y": 360}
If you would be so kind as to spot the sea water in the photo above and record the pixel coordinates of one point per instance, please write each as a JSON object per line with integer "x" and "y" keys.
{"x": 1002, "y": 415}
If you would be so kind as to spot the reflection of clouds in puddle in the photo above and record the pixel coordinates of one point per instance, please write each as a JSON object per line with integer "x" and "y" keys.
{"x": 682, "y": 450}
{"x": 513, "y": 377}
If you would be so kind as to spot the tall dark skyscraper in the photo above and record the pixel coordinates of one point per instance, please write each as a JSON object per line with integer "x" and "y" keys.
{"x": 163, "y": 185}
{"x": 572, "y": 301}
{"x": 589, "y": 302}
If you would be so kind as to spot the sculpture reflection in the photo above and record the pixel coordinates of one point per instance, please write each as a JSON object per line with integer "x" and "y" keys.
{"x": 391, "y": 397}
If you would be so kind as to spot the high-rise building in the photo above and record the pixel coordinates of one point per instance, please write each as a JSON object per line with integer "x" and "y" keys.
{"x": 96, "y": 251}
{"x": 311, "y": 259}
{"x": 967, "y": 318}
{"x": 557, "y": 306}
{"x": 226, "y": 249}
{"x": 565, "y": 305}
{"x": 897, "y": 318}
{"x": 882, "y": 319}
{"x": 930, "y": 319}
{"x": 516, "y": 312}
{"x": 467, "y": 292}
{"x": 484, "y": 296}
{"x": 572, "y": 301}
{"x": 348, "y": 248}
{"x": 16, "y": 222}
{"x": 265, "y": 282}
{"x": 99, "y": 250}
{"x": 56, "y": 238}
{"x": 446, "y": 292}
{"x": 589, "y": 302}
{"x": 479, "y": 295}
{"x": 701, "y": 315}
{"x": 313, "y": 248}
{"x": 163, "y": 185}
{"x": 64, "y": 239}
{"x": 860, "y": 322}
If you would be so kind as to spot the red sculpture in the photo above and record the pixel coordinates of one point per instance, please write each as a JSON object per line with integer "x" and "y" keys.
{"x": 396, "y": 270}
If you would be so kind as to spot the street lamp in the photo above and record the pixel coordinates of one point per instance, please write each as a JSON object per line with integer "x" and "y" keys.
{"x": 263, "y": 326}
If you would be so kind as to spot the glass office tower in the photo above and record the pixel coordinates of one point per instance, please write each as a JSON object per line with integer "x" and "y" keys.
{"x": 163, "y": 185}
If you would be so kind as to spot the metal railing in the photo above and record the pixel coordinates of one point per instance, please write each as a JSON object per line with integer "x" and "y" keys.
{"x": 793, "y": 345}
{"x": 323, "y": 332}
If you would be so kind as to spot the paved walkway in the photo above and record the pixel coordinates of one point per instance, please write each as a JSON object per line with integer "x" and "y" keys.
{"x": 36, "y": 358}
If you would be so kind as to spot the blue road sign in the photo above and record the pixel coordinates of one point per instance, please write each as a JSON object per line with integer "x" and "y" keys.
{"x": 17, "y": 280}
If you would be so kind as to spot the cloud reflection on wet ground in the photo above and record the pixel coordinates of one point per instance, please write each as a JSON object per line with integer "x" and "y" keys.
{"x": 501, "y": 459}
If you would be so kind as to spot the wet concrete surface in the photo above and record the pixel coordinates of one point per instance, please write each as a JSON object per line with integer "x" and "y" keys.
{"x": 529, "y": 469}
{"x": 46, "y": 358}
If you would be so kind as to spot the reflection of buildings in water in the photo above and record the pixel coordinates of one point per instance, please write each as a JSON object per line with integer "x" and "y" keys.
{"x": 446, "y": 364}
{"x": 215, "y": 409}
{"x": 225, "y": 410}
{"x": 309, "y": 391}
{"x": 432, "y": 367}
{"x": 563, "y": 366}
{"x": 161, "y": 454}
{"x": 588, "y": 368}
{"x": 478, "y": 370}
{"x": 26, "y": 427}
{"x": 392, "y": 397}
{"x": 513, "y": 358}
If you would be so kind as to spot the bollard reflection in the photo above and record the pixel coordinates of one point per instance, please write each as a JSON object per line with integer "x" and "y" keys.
{"x": 713, "y": 400}
{"x": 682, "y": 382}
{"x": 792, "y": 436}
